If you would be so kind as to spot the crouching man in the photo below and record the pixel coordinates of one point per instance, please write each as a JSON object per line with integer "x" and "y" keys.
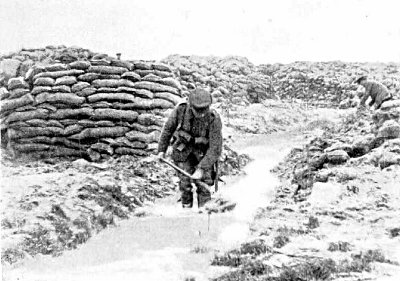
{"x": 375, "y": 90}
{"x": 195, "y": 132}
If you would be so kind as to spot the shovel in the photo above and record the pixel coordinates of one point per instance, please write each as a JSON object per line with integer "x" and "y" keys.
{"x": 183, "y": 172}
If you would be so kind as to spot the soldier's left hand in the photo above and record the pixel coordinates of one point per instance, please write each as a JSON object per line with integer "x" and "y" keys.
{"x": 198, "y": 174}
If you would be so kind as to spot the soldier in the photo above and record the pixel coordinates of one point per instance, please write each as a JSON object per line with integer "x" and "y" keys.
{"x": 377, "y": 91}
{"x": 196, "y": 134}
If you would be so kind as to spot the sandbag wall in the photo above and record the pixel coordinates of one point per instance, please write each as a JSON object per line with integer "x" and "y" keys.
{"x": 88, "y": 108}
{"x": 328, "y": 83}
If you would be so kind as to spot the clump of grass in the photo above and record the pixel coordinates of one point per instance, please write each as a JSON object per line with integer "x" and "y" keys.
{"x": 232, "y": 258}
{"x": 252, "y": 270}
{"x": 394, "y": 232}
{"x": 312, "y": 223}
{"x": 339, "y": 246}
{"x": 200, "y": 250}
{"x": 362, "y": 261}
{"x": 310, "y": 270}
{"x": 11, "y": 255}
{"x": 281, "y": 240}
{"x": 254, "y": 248}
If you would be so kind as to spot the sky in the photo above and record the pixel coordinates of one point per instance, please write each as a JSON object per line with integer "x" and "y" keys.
{"x": 265, "y": 31}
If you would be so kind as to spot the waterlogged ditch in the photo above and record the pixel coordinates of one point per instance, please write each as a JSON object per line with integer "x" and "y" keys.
{"x": 167, "y": 242}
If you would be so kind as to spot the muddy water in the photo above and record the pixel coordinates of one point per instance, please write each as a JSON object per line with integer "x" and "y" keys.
{"x": 170, "y": 243}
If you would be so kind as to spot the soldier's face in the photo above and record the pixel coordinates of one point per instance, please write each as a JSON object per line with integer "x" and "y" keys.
{"x": 200, "y": 112}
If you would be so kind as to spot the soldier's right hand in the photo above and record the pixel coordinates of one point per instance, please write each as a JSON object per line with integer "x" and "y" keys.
{"x": 161, "y": 155}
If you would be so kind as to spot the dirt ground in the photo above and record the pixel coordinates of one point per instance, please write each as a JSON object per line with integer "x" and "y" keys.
{"x": 346, "y": 228}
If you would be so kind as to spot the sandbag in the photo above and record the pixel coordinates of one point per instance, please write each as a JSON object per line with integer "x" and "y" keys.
{"x": 161, "y": 67}
{"x": 142, "y": 65}
{"x": 17, "y": 83}
{"x": 152, "y": 78}
{"x": 104, "y": 123}
{"x": 162, "y": 103}
{"x": 103, "y": 61}
{"x": 56, "y": 67}
{"x": 171, "y": 82}
{"x": 58, "y": 74}
{"x": 132, "y": 76}
{"x": 4, "y": 93}
{"x": 80, "y": 64}
{"x": 56, "y": 151}
{"x": 112, "y": 83}
{"x": 101, "y": 104}
{"x": 27, "y": 115}
{"x": 100, "y": 133}
{"x": 39, "y": 139}
{"x": 155, "y": 87}
{"x": 85, "y": 123}
{"x": 15, "y": 103}
{"x": 108, "y": 69}
{"x": 143, "y": 137}
{"x": 169, "y": 97}
{"x": 79, "y": 86}
{"x": 123, "y": 141}
{"x": 44, "y": 123}
{"x": 145, "y": 129}
{"x": 49, "y": 107}
{"x": 44, "y": 81}
{"x": 66, "y": 98}
{"x": 72, "y": 129}
{"x": 26, "y": 108}
{"x": 40, "y": 89}
{"x": 148, "y": 119}
{"x": 114, "y": 114}
{"x": 44, "y": 150}
{"x": 111, "y": 97}
{"x": 142, "y": 93}
{"x": 61, "y": 89}
{"x": 31, "y": 147}
{"x": 86, "y": 92}
{"x": 130, "y": 151}
{"x": 71, "y": 113}
{"x": 54, "y": 141}
{"x": 144, "y": 73}
{"x": 17, "y": 93}
{"x": 107, "y": 90}
{"x": 138, "y": 103}
{"x": 66, "y": 80}
{"x": 27, "y": 132}
{"x": 102, "y": 148}
{"x": 88, "y": 77}
{"x": 16, "y": 125}
{"x": 163, "y": 74}
{"x": 122, "y": 63}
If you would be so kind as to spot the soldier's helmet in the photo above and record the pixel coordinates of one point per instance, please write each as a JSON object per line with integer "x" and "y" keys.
{"x": 359, "y": 79}
{"x": 200, "y": 99}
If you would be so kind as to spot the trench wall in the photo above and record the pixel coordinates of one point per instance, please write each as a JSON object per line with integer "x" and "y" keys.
{"x": 86, "y": 108}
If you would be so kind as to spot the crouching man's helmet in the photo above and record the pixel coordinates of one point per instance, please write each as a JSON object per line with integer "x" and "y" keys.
{"x": 359, "y": 79}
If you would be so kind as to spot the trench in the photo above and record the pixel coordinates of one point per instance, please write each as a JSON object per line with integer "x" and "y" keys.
{"x": 168, "y": 242}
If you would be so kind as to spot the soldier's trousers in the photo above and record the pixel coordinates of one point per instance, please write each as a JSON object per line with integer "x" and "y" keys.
{"x": 185, "y": 185}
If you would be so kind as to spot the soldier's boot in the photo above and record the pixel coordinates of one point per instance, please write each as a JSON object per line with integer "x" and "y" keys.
{"x": 187, "y": 199}
{"x": 203, "y": 196}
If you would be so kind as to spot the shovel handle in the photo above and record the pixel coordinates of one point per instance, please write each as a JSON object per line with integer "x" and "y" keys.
{"x": 183, "y": 172}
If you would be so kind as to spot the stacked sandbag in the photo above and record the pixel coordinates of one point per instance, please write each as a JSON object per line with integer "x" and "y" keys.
{"x": 92, "y": 109}
{"x": 231, "y": 80}
{"x": 328, "y": 83}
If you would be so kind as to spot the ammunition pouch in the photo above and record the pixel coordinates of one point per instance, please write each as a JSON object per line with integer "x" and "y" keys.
{"x": 183, "y": 137}
{"x": 201, "y": 141}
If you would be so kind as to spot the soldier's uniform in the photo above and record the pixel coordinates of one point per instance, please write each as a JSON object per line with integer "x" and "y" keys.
{"x": 377, "y": 91}
{"x": 196, "y": 143}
